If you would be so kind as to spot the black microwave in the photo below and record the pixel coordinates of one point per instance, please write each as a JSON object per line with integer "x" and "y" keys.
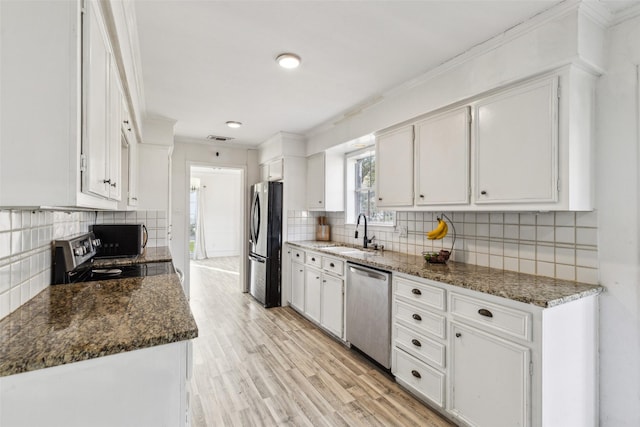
{"x": 120, "y": 240}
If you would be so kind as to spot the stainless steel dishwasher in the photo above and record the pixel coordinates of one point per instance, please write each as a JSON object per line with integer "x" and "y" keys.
{"x": 368, "y": 314}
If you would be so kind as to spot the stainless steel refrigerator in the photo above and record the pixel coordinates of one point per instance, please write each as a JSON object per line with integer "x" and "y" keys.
{"x": 265, "y": 242}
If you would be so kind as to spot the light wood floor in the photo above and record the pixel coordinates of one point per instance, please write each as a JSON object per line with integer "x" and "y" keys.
{"x": 258, "y": 367}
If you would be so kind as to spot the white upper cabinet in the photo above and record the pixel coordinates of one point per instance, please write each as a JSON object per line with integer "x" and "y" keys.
{"x": 516, "y": 136}
{"x": 394, "y": 168}
{"x": 61, "y": 99}
{"x": 442, "y": 159}
{"x": 96, "y": 73}
{"x": 529, "y": 146}
{"x": 325, "y": 182}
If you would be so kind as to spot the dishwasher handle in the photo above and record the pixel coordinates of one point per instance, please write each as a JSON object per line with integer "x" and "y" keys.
{"x": 368, "y": 273}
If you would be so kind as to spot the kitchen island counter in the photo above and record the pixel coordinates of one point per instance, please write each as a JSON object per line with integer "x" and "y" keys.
{"x": 541, "y": 291}
{"x": 81, "y": 321}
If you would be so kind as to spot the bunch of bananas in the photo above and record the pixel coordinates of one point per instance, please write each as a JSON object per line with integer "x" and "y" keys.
{"x": 440, "y": 231}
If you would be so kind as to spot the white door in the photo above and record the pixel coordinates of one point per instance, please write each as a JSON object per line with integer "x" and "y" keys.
{"x": 312, "y": 293}
{"x": 96, "y": 69}
{"x": 315, "y": 181}
{"x": 332, "y": 304}
{"x": 297, "y": 285}
{"x": 442, "y": 159}
{"x": 516, "y": 138}
{"x": 490, "y": 384}
{"x": 394, "y": 168}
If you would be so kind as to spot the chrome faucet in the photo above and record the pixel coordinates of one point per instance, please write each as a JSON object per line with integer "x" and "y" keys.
{"x": 365, "y": 240}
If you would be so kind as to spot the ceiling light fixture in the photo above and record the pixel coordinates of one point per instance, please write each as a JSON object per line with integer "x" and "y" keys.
{"x": 288, "y": 60}
{"x": 234, "y": 125}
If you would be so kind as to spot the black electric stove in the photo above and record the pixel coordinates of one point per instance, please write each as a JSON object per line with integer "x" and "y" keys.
{"x": 73, "y": 263}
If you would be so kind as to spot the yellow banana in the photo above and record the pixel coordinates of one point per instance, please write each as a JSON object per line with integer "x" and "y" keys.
{"x": 439, "y": 232}
{"x": 443, "y": 233}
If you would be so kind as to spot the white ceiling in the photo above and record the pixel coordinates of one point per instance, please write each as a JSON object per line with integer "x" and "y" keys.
{"x": 206, "y": 62}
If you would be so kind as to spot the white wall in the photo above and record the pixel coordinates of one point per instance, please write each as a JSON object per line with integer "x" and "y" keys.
{"x": 617, "y": 193}
{"x": 186, "y": 154}
{"x": 223, "y": 192}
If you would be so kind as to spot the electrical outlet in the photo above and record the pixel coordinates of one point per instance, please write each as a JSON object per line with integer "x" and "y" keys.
{"x": 404, "y": 231}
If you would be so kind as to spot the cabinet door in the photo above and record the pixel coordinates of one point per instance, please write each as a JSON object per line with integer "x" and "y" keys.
{"x": 442, "y": 159}
{"x": 96, "y": 70}
{"x": 394, "y": 168}
{"x": 332, "y": 304}
{"x": 489, "y": 379}
{"x": 114, "y": 133}
{"x": 297, "y": 286}
{"x": 315, "y": 181}
{"x": 312, "y": 293}
{"x": 516, "y": 137}
{"x": 276, "y": 170}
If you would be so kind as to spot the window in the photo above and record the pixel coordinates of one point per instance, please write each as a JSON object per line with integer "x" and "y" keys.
{"x": 360, "y": 185}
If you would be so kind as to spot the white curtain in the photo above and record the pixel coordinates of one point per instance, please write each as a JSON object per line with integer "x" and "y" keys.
{"x": 200, "y": 249}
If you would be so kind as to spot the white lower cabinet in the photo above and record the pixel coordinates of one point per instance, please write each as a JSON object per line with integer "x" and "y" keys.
{"x": 487, "y": 361}
{"x": 297, "y": 285}
{"x": 312, "y": 293}
{"x": 317, "y": 289}
{"x": 489, "y": 379}
{"x": 331, "y": 305}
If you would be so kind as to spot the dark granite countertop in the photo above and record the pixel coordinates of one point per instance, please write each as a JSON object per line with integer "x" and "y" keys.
{"x": 537, "y": 290}
{"x": 74, "y": 322}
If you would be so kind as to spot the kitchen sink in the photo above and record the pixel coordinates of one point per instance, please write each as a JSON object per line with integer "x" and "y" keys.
{"x": 345, "y": 250}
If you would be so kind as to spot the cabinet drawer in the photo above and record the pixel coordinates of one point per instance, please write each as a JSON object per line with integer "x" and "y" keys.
{"x": 297, "y": 255}
{"x": 423, "y": 294}
{"x": 314, "y": 259}
{"x": 424, "y": 379}
{"x": 333, "y": 265}
{"x": 489, "y": 316}
{"x": 418, "y": 345}
{"x": 420, "y": 319}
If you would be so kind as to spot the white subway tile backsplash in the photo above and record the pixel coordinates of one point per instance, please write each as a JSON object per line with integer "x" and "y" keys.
{"x": 545, "y": 268}
{"x": 587, "y": 275}
{"x": 527, "y": 219}
{"x": 511, "y": 232}
{"x": 565, "y": 272}
{"x": 565, "y": 234}
{"x": 511, "y": 218}
{"x": 511, "y": 264}
{"x": 527, "y": 232}
{"x": 586, "y": 236}
{"x": 527, "y": 266}
{"x": 565, "y": 219}
{"x": 496, "y": 261}
{"x": 586, "y": 258}
{"x": 482, "y": 260}
{"x": 587, "y": 219}
{"x": 5, "y": 278}
{"x": 5, "y": 244}
{"x": 545, "y": 253}
{"x": 5, "y": 220}
{"x": 544, "y": 233}
{"x": 565, "y": 256}
{"x": 5, "y": 304}
{"x": 482, "y": 230}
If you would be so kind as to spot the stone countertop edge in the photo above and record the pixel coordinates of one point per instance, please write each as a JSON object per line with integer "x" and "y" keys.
{"x": 156, "y": 254}
{"x": 81, "y": 321}
{"x": 545, "y": 292}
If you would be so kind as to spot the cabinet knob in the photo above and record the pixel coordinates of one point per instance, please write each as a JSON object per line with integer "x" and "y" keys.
{"x": 298, "y": 255}
{"x": 416, "y": 374}
{"x": 324, "y": 281}
{"x": 483, "y": 192}
{"x": 317, "y": 277}
{"x": 416, "y": 291}
{"x": 332, "y": 265}
{"x": 416, "y": 342}
{"x": 422, "y": 196}
{"x": 113, "y": 184}
{"x": 458, "y": 334}
{"x": 134, "y": 198}
{"x": 313, "y": 259}
{"x": 485, "y": 312}
{"x": 126, "y": 122}
{"x": 129, "y": 129}
{"x": 106, "y": 181}
{"x": 380, "y": 198}
{"x": 417, "y": 317}
{"x": 320, "y": 201}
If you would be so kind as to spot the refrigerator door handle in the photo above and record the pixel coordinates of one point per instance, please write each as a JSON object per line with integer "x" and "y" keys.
{"x": 255, "y": 219}
{"x": 256, "y": 259}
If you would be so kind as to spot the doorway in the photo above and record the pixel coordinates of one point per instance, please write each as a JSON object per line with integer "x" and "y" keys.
{"x": 215, "y": 225}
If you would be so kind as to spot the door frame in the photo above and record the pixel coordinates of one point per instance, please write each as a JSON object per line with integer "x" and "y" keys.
{"x": 243, "y": 229}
